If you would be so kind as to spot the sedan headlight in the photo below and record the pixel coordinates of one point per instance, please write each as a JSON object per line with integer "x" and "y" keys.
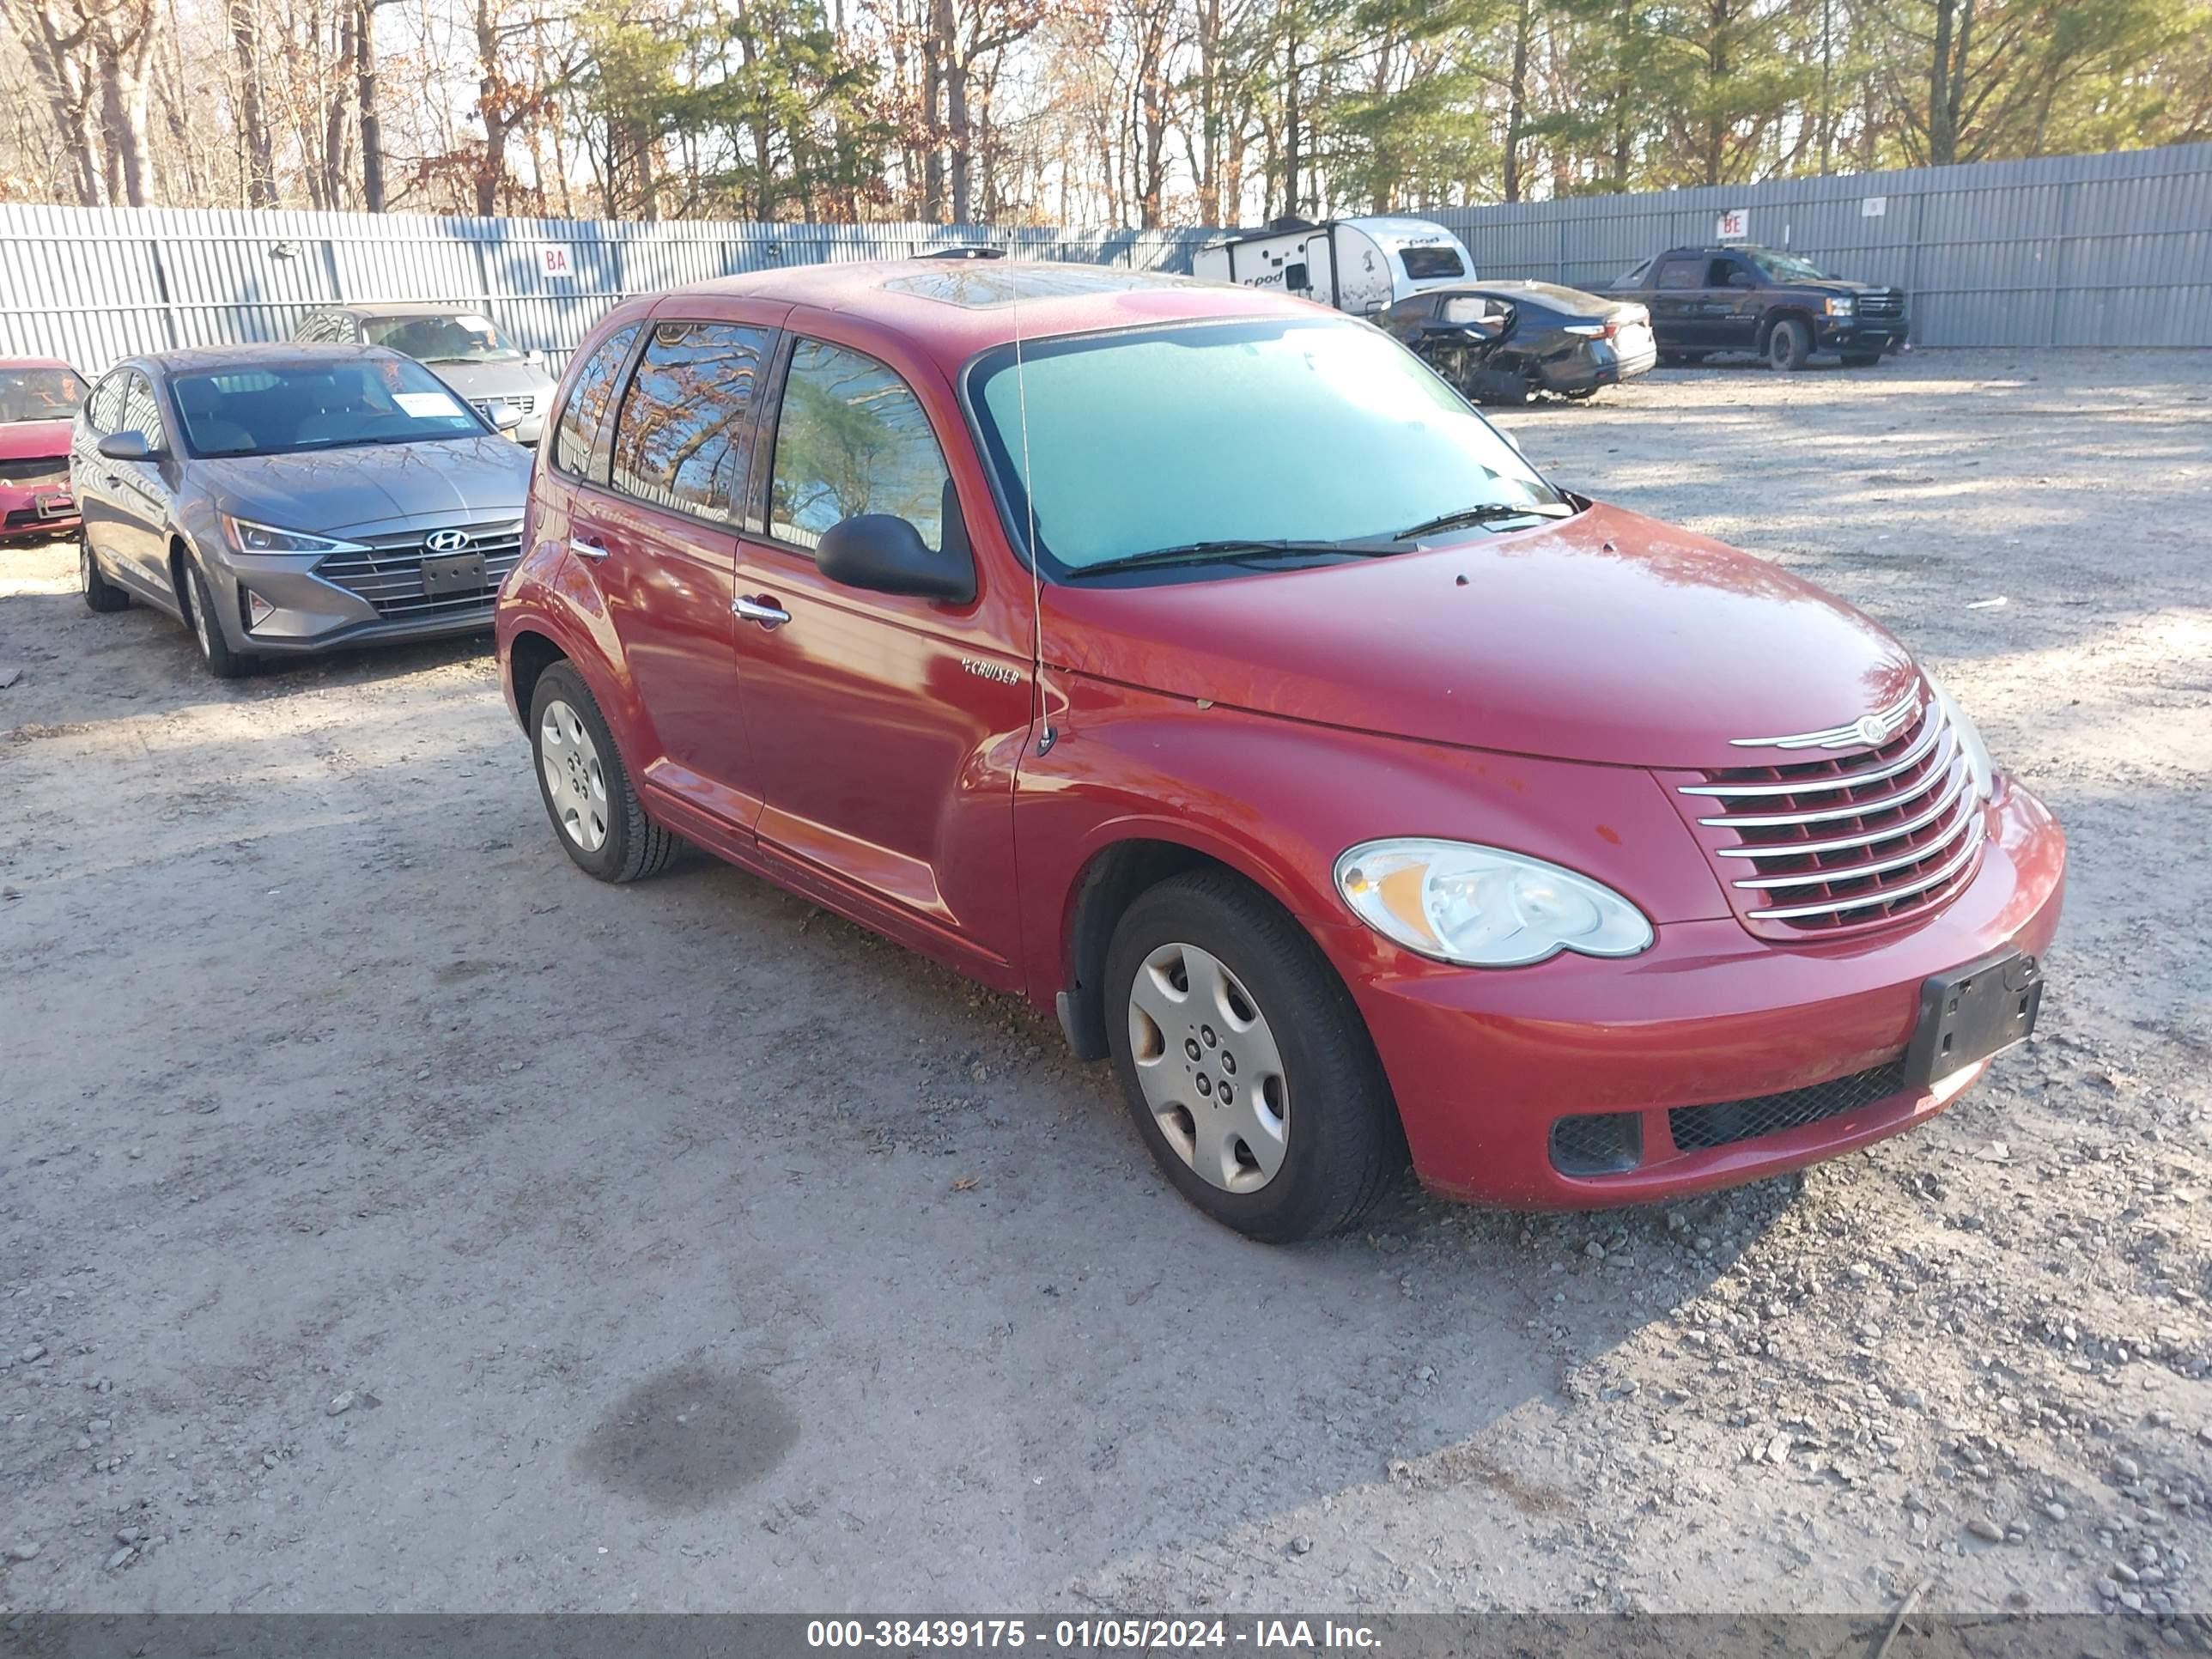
{"x": 248, "y": 537}
{"x": 1482, "y": 907}
{"x": 1979, "y": 764}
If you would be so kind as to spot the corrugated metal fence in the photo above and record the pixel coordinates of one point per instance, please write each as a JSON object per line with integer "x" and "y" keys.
{"x": 2084, "y": 250}
{"x": 90, "y": 285}
{"x": 2070, "y": 250}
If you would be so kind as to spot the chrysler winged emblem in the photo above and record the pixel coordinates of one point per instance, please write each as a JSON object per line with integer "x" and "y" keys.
{"x": 1868, "y": 731}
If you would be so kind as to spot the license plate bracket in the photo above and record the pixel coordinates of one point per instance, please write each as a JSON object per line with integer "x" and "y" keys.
{"x": 455, "y": 572}
{"x": 1973, "y": 1012}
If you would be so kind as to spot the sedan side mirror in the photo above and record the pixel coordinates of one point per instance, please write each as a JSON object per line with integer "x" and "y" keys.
{"x": 127, "y": 447}
{"x": 506, "y": 416}
{"x": 886, "y": 554}
{"x": 533, "y": 359}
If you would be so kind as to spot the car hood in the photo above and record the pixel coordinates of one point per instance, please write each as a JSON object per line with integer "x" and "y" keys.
{"x": 1606, "y": 637}
{"x": 20, "y": 439}
{"x": 363, "y": 489}
{"x": 503, "y": 380}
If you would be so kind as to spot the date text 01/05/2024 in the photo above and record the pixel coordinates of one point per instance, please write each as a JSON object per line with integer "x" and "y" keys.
{"x": 1080, "y": 1636}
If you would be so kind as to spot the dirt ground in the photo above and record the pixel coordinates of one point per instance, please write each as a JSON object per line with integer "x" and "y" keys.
{"x": 391, "y": 1217}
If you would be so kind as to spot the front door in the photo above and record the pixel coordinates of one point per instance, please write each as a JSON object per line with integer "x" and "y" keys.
{"x": 886, "y": 728}
{"x": 658, "y": 535}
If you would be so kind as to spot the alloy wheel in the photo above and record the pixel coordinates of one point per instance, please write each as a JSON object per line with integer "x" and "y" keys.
{"x": 200, "y": 602}
{"x": 1209, "y": 1067}
{"x": 575, "y": 779}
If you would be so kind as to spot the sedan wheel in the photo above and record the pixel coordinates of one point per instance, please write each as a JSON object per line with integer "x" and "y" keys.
{"x": 575, "y": 779}
{"x": 1211, "y": 1072}
{"x": 100, "y": 593}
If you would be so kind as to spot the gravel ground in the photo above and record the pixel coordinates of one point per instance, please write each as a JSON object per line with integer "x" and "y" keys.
{"x": 390, "y": 1216}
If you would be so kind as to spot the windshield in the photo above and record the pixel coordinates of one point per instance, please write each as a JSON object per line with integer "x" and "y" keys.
{"x": 319, "y": 405}
{"x": 464, "y": 337}
{"x": 1292, "y": 430}
{"x": 1786, "y": 267}
{"x": 39, "y": 394}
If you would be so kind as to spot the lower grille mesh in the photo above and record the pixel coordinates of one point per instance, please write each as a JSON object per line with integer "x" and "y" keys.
{"x": 1699, "y": 1128}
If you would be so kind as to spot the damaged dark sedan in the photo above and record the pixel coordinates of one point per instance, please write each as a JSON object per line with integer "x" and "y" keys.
{"x": 1504, "y": 343}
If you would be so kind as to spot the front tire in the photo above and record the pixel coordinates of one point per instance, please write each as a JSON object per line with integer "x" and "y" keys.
{"x": 1245, "y": 1063}
{"x": 100, "y": 593}
{"x": 1789, "y": 345}
{"x": 221, "y": 661}
{"x": 596, "y": 817}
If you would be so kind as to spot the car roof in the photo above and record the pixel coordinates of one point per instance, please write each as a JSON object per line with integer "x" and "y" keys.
{"x": 1552, "y": 294}
{"x": 412, "y": 308}
{"x": 36, "y": 362}
{"x": 260, "y": 354}
{"x": 954, "y": 308}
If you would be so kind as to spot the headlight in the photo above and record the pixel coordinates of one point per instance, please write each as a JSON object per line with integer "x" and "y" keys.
{"x": 1482, "y": 907}
{"x": 1840, "y": 307}
{"x": 1979, "y": 764}
{"x": 248, "y": 537}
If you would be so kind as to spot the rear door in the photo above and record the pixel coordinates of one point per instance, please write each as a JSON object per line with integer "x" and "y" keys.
{"x": 1678, "y": 300}
{"x": 138, "y": 491}
{"x": 658, "y": 535}
{"x": 886, "y": 727}
{"x": 89, "y": 470}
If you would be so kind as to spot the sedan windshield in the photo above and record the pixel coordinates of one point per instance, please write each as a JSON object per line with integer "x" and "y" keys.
{"x": 331, "y": 404}
{"x": 1232, "y": 434}
{"x": 39, "y": 394}
{"x": 1786, "y": 267}
{"x": 461, "y": 337}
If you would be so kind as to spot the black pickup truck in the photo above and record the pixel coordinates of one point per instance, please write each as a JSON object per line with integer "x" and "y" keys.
{"x": 1704, "y": 301}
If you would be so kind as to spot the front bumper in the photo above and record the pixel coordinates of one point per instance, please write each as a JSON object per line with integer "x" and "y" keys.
{"x": 37, "y": 515}
{"x": 1856, "y": 337}
{"x": 1484, "y": 1064}
{"x": 314, "y": 615}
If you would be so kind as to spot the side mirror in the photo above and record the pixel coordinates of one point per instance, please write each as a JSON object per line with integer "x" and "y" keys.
{"x": 126, "y": 446}
{"x": 886, "y": 554}
{"x": 506, "y": 416}
{"x": 1374, "y": 310}
{"x": 533, "y": 359}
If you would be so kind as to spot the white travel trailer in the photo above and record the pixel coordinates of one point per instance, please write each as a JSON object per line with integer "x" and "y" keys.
{"x": 1358, "y": 266}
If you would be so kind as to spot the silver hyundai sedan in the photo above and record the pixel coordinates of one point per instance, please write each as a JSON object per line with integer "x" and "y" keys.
{"x": 286, "y": 498}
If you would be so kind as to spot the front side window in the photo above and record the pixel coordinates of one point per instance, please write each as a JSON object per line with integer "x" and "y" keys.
{"x": 684, "y": 435}
{"x": 1425, "y": 264}
{"x": 141, "y": 414}
{"x": 851, "y": 438}
{"x": 578, "y": 431}
{"x": 1786, "y": 267}
{"x": 330, "y": 405}
{"x": 39, "y": 394}
{"x": 1321, "y": 431}
{"x": 464, "y": 337}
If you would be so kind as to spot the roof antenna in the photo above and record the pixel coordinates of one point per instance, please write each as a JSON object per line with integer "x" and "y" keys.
{"x": 1046, "y": 735}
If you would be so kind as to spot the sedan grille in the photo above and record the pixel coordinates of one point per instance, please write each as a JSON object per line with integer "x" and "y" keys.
{"x": 388, "y": 572}
{"x": 51, "y": 469}
{"x": 1700, "y": 1128}
{"x": 1818, "y": 845}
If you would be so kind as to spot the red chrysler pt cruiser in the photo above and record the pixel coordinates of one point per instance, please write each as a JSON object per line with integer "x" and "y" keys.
{"x": 1193, "y": 662}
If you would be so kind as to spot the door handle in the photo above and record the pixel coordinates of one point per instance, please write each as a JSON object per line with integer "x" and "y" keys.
{"x": 764, "y": 611}
{"x": 587, "y": 549}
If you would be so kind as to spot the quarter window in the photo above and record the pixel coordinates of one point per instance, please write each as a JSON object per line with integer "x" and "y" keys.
{"x": 684, "y": 433}
{"x": 1681, "y": 273}
{"x": 853, "y": 439}
{"x": 579, "y": 428}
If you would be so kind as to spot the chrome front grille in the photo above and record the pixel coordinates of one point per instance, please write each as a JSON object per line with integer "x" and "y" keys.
{"x": 1883, "y": 303}
{"x": 388, "y": 572}
{"x": 1852, "y": 842}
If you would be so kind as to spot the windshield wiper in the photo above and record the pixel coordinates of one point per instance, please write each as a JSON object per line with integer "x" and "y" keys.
{"x": 1230, "y": 549}
{"x": 1483, "y": 512}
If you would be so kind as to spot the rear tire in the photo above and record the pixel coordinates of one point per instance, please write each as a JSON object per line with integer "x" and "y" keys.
{"x": 1245, "y": 1063}
{"x": 596, "y": 816}
{"x": 100, "y": 593}
{"x": 1789, "y": 345}
{"x": 221, "y": 661}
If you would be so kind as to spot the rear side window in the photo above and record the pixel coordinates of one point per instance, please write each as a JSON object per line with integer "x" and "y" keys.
{"x": 684, "y": 434}
{"x": 853, "y": 439}
{"x": 1681, "y": 273}
{"x": 1424, "y": 263}
{"x": 578, "y": 431}
{"x": 141, "y": 414}
{"x": 105, "y": 412}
